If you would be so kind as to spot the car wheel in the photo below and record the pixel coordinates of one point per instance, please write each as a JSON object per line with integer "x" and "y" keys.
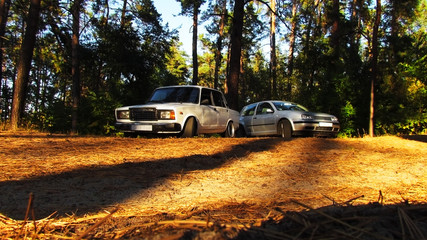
{"x": 229, "y": 131}
{"x": 285, "y": 129}
{"x": 189, "y": 129}
{"x": 241, "y": 131}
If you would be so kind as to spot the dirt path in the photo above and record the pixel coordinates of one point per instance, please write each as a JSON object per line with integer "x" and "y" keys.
{"x": 145, "y": 177}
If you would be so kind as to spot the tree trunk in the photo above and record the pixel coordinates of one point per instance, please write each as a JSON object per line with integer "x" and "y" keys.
{"x": 4, "y": 11}
{"x": 292, "y": 38}
{"x": 236, "y": 51}
{"x": 195, "y": 62}
{"x": 335, "y": 36}
{"x": 374, "y": 67}
{"x": 273, "y": 59}
{"x": 24, "y": 63}
{"x": 123, "y": 17}
{"x": 75, "y": 62}
{"x": 218, "y": 51}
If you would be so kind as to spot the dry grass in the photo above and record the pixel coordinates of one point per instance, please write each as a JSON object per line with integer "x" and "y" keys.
{"x": 200, "y": 187}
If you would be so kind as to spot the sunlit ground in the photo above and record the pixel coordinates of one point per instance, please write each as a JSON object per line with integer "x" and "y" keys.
{"x": 84, "y": 176}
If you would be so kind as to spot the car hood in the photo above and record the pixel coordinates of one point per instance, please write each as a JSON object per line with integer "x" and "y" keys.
{"x": 297, "y": 114}
{"x": 157, "y": 105}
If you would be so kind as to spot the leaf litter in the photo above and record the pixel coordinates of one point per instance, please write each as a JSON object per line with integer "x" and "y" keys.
{"x": 75, "y": 187}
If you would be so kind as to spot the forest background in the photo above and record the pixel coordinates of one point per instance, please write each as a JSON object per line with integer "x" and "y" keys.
{"x": 66, "y": 65}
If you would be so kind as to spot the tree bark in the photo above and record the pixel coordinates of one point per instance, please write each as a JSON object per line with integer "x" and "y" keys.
{"x": 4, "y": 10}
{"x": 292, "y": 38}
{"x": 75, "y": 62}
{"x": 236, "y": 51}
{"x": 273, "y": 59}
{"x": 123, "y": 17}
{"x": 334, "y": 16}
{"x": 218, "y": 56}
{"x": 24, "y": 63}
{"x": 195, "y": 61}
{"x": 374, "y": 67}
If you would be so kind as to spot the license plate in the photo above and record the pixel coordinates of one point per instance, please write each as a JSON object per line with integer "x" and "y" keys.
{"x": 325, "y": 124}
{"x": 142, "y": 127}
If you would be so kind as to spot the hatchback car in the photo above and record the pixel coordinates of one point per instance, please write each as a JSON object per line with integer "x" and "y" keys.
{"x": 285, "y": 119}
{"x": 183, "y": 110}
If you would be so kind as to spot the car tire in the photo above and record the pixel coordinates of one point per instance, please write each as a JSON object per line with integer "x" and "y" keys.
{"x": 229, "y": 131}
{"x": 284, "y": 129}
{"x": 241, "y": 131}
{"x": 189, "y": 128}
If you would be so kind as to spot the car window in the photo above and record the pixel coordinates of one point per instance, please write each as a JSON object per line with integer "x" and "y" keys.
{"x": 175, "y": 94}
{"x": 283, "y": 106}
{"x": 249, "y": 110}
{"x": 264, "y": 108}
{"x": 206, "y": 97}
{"x": 218, "y": 99}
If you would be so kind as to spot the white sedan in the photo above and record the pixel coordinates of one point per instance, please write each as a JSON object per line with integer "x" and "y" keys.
{"x": 285, "y": 119}
{"x": 186, "y": 111}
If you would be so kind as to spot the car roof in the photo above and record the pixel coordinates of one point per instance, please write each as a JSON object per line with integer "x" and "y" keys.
{"x": 271, "y": 101}
{"x": 194, "y": 86}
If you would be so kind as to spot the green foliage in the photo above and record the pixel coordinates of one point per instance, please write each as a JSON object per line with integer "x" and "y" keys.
{"x": 123, "y": 58}
{"x": 97, "y": 114}
{"x": 348, "y": 127}
{"x": 55, "y": 119}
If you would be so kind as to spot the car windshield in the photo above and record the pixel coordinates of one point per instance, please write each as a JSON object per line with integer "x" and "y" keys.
{"x": 176, "y": 94}
{"x": 283, "y": 106}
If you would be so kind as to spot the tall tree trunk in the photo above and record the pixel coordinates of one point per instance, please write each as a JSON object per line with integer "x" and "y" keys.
{"x": 355, "y": 21}
{"x": 4, "y": 11}
{"x": 292, "y": 38}
{"x": 75, "y": 62}
{"x": 218, "y": 56}
{"x": 24, "y": 63}
{"x": 195, "y": 62}
{"x": 123, "y": 17}
{"x": 374, "y": 67}
{"x": 273, "y": 59}
{"x": 236, "y": 51}
{"x": 335, "y": 27}
{"x": 309, "y": 34}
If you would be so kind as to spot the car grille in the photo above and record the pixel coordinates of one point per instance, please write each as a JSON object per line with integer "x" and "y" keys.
{"x": 143, "y": 114}
{"x": 324, "y": 128}
{"x": 322, "y": 118}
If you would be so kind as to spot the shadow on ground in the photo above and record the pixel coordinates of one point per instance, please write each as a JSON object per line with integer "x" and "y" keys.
{"x": 91, "y": 189}
{"x": 420, "y": 138}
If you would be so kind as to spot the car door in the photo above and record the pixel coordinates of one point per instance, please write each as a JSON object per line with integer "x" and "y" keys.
{"x": 210, "y": 115}
{"x": 222, "y": 110}
{"x": 246, "y": 118}
{"x": 263, "y": 122}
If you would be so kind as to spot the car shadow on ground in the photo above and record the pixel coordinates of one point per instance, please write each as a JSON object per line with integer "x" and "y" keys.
{"x": 92, "y": 189}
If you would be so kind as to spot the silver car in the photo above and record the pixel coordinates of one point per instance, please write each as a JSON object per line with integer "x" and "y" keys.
{"x": 183, "y": 110}
{"x": 285, "y": 119}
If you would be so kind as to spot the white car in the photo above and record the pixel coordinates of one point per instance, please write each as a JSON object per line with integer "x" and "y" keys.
{"x": 285, "y": 119}
{"x": 183, "y": 110}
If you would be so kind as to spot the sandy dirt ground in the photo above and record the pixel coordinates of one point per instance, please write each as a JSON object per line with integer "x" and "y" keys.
{"x": 144, "y": 181}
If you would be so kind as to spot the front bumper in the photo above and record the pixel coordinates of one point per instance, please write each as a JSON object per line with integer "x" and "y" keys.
{"x": 148, "y": 127}
{"x": 316, "y": 128}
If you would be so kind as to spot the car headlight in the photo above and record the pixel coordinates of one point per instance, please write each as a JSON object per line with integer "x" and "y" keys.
{"x": 306, "y": 117}
{"x": 334, "y": 119}
{"x": 169, "y": 115}
{"x": 123, "y": 114}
